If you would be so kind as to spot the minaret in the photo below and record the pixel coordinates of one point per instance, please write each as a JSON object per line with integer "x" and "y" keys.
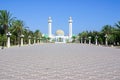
{"x": 70, "y": 27}
{"x": 49, "y": 27}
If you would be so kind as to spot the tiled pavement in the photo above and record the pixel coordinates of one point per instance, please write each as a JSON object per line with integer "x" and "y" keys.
{"x": 60, "y": 62}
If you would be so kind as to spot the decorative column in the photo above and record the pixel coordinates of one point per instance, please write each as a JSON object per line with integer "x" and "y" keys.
{"x": 38, "y": 40}
{"x": 96, "y": 40}
{"x": 29, "y": 37}
{"x": 49, "y": 27}
{"x": 85, "y": 41}
{"x": 70, "y": 28}
{"x": 22, "y": 36}
{"x": 89, "y": 39}
{"x": 106, "y": 40}
{"x": 8, "y": 39}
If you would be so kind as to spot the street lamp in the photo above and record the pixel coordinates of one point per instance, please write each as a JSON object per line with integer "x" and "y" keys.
{"x": 8, "y": 39}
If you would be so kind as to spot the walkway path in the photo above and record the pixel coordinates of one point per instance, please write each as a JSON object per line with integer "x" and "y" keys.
{"x": 60, "y": 62}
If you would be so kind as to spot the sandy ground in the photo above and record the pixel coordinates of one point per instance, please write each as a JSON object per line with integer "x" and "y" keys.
{"x": 60, "y": 62}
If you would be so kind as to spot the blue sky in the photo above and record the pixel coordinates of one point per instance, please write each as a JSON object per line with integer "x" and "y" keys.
{"x": 87, "y": 14}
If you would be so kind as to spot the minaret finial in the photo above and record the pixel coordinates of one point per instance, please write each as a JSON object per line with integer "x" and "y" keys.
{"x": 49, "y": 18}
{"x": 49, "y": 27}
{"x": 70, "y": 18}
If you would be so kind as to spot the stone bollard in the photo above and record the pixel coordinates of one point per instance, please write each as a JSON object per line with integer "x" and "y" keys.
{"x": 96, "y": 40}
{"x": 22, "y": 36}
{"x": 106, "y": 40}
{"x": 85, "y": 41}
{"x": 89, "y": 40}
{"x": 8, "y": 39}
{"x": 29, "y": 37}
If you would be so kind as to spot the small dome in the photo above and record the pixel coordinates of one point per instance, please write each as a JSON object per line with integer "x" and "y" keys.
{"x": 60, "y": 33}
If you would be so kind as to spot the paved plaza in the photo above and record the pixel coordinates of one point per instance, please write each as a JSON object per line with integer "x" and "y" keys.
{"x": 60, "y": 62}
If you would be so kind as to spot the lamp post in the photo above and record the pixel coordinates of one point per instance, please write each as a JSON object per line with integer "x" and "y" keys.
{"x": 22, "y": 36}
{"x": 8, "y": 39}
{"x": 89, "y": 39}
{"x": 106, "y": 40}
{"x": 96, "y": 40}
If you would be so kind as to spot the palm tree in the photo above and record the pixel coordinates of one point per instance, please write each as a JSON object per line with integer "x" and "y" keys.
{"x": 107, "y": 29}
{"x": 74, "y": 38}
{"x": 18, "y": 26}
{"x": 37, "y": 34}
{"x": 17, "y": 29}
{"x": 112, "y": 32}
{"x": 5, "y": 20}
{"x": 93, "y": 35}
{"x": 28, "y": 34}
{"x": 83, "y": 35}
{"x": 1, "y": 30}
{"x": 117, "y": 25}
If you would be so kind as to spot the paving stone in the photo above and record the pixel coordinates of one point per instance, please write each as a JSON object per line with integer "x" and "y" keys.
{"x": 60, "y": 62}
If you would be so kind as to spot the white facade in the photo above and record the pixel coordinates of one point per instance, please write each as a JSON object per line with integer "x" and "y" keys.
{"x": 59, "y": 37}
{"x": 70, "y": 27}
{"x": 49, "y": 27}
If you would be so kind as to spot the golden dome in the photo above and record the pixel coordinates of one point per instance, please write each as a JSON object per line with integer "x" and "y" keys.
{"x": 60, "y": 33}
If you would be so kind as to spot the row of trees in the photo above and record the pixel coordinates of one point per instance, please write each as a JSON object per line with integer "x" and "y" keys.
{"x": 112, "y": 32}
{"x": 16, "y": 27}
